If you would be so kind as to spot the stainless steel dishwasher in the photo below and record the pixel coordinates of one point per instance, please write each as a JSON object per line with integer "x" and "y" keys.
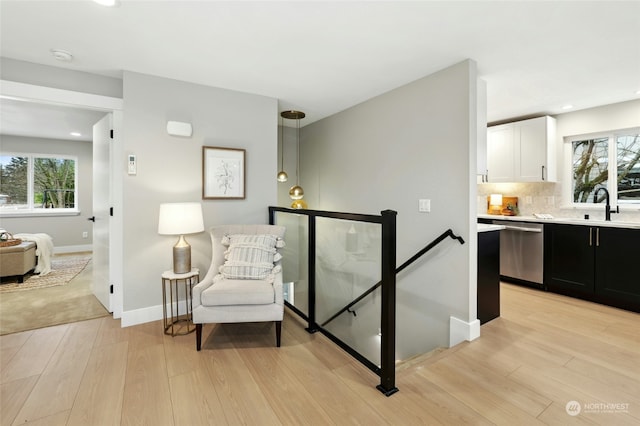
{"x": 521, "y": 252}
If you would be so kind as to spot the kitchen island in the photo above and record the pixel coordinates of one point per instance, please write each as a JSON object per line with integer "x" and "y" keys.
{"x": 488, "y": 272}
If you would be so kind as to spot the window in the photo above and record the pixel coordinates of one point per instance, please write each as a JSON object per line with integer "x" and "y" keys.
{"x": 37, "y": 183}
{"x": 610, "y": 161}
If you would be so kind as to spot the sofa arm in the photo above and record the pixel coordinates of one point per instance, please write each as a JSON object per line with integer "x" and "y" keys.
{"x": 278, "y": 289}
{"x": 197, "y": 290}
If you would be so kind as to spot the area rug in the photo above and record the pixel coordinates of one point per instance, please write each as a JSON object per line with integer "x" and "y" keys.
{"x": 63, "y": 270}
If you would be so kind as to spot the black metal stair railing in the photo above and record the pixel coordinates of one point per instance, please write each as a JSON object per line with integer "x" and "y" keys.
{"x": 387, "y": 219}
{"x": 431, "y": 245}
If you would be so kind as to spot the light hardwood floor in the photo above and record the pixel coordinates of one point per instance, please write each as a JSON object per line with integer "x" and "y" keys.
{"x": 545, "y": 351}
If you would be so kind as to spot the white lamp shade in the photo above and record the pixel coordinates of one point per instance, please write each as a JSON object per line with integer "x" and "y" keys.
{"x": 495, "y": 200}
{"x": 180, "y": 219}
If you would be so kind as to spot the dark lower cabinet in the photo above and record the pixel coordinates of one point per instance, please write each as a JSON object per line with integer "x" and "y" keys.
{"x": 595, "y": 263}
{"x": 618, "y": 266}
{"x": 488, "y": 276}
{"x": 569, "y": 258}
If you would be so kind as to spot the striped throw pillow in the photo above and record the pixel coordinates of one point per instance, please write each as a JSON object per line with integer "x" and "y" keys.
{"x": 249, "y": 257}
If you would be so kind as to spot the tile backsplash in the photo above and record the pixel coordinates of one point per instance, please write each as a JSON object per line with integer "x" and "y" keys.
{"x": 545, "y": 197}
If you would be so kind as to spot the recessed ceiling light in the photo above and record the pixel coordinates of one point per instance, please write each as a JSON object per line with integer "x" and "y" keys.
{"x": 62, "y": 55}
{"x": 567, "y": 106}
{"x": 108, "y": 3}
{"x": 76, "y": 134}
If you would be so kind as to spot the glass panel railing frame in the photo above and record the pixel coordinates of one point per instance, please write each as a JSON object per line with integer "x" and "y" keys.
{"x": 386, "y": 367}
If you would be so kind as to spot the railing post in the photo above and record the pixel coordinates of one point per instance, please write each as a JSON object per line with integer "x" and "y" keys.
{"x": 313, "y": 326}
{"x": 388, "y": 315}
{"x": 272, "y": 216}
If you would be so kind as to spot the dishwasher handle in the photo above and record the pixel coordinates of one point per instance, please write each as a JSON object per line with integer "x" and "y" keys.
{"x": 521, "y": 229}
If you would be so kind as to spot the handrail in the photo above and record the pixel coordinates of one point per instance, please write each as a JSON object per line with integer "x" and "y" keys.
{"x": 447, "y": 233}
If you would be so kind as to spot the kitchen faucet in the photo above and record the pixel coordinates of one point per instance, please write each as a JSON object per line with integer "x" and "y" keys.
{"x": 607, "y": 209}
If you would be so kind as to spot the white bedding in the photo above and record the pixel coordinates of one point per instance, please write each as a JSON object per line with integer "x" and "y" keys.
{"x": 44, "y": 250}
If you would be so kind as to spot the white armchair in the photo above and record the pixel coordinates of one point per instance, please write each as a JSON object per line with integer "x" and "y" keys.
{"x": 229, "y": 296}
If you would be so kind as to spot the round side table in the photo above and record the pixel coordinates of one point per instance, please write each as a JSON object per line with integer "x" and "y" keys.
{"x": 175, "y": 324}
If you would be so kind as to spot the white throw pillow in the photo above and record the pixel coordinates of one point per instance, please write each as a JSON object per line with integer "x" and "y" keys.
{"x": 250, "y": 257}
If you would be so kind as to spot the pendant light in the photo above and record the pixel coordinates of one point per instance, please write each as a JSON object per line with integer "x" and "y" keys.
{"x": 282, "y": 175}
{"x": 296, "y": 192}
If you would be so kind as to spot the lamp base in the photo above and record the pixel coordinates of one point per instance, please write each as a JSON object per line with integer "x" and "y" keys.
{"x": 181, "y": 256}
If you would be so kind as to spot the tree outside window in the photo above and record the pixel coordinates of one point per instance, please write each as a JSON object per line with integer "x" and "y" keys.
{"x": 14, "y": 175}
{"x": 54, "y": 183}
{"x": 597, "y": 161}
{"x": 590, "y": 167}
{"x": 628, "y": 167}
{"x": 30, "y": 182}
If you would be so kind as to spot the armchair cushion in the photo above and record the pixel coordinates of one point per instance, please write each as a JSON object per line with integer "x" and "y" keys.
{"x": 250, "y": 257}
{"x": 238, "y": 292}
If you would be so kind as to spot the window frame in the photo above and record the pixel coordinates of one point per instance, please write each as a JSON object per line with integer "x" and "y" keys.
{"x": 612, "y": 179}
{"x": 31, "y": 210}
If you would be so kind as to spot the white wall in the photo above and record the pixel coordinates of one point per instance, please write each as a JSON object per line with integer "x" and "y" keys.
{"x": 170, "y": 170}
{"x": 417, "y": 141}
{"x": 66, "y": 231}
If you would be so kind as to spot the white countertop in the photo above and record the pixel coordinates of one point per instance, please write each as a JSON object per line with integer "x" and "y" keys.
{"x": 485, "y": 227}
{"x": 563, "y": 220}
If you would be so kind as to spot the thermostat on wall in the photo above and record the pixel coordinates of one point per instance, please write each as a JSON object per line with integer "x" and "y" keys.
{"x": 132, "y": 167}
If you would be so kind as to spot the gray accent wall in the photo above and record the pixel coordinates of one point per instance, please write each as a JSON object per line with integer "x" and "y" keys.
{"x": 65, "y": 230}
{"x": 170, "y": 170}
{"x": 417, "y": 141}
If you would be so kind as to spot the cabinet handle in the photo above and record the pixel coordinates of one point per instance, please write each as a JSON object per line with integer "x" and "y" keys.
{"x": 597, "y": 237}
{"x": 542, "y": 172}
{"x": 590, "y": 237}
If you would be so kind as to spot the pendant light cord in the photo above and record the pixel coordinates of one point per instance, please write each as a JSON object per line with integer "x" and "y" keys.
{"x": 297, "y": 151}
{"x": 281, "y": 144}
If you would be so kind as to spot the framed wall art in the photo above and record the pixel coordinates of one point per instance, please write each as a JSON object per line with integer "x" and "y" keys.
{"x": 223, "y": 173}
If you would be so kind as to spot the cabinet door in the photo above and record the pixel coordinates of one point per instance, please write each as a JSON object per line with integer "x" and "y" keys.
{"x": 569, "y": 259}
{"x": 531, "y": 152}
{"x": 617, "y": 266}
{"x": 500, "y": 154}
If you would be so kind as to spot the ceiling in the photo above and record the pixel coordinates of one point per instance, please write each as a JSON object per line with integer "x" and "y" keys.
{"x": 324, "y": 57}
{"x": 46, "y": 121}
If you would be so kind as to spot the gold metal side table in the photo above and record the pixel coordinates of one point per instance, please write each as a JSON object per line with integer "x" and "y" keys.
{"x": 178, "y": 325}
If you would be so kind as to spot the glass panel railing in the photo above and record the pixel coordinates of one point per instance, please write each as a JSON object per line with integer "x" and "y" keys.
{"x": 345, "y": 265}
{"x": 295, "y": 265}
{"x": 340, "y": 275}
{"x": 348, "y": 256}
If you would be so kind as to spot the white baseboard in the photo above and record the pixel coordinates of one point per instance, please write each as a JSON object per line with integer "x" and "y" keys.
{"x": 152, "y": 313}
{"x": 141, "y": 316}
{"x": 72, "y": 249}
{"x": 459, "y": 331}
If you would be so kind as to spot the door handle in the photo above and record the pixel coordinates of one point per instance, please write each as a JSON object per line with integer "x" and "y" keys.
{"x": 92, "y": 219}
{"x": 543, "y": 172}
{"x": 590, "y": 237}
{"x": 521, "y": 229}
{"x": 597, "y": 237}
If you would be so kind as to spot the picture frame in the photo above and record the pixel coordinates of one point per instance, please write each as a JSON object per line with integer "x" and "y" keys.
{"x": 223, "y": 173}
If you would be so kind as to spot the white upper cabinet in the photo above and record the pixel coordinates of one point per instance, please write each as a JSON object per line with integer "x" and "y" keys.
{"x": 523, "y": 151}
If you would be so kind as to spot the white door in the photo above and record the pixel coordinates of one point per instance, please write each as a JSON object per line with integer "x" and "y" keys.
{"x": 101, "y": 209}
